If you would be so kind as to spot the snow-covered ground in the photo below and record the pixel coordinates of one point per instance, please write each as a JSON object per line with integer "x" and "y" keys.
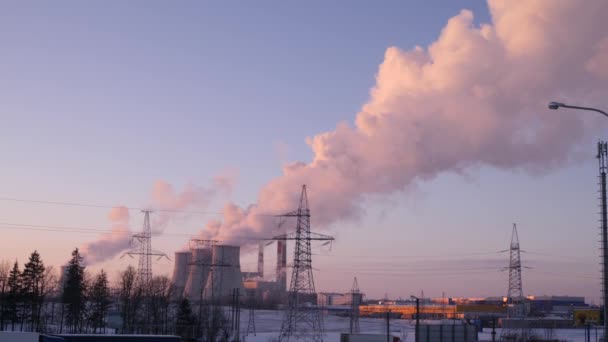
{"x": 268, "y": 324}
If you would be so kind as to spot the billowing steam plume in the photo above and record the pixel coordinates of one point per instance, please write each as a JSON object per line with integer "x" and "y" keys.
{"x": 112, "y": 243}
{"x": 163, "y": 197}
{"x": 475, "y": 97}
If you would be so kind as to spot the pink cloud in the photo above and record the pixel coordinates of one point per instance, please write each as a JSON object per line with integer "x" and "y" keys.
{"x": 474, "y": 97}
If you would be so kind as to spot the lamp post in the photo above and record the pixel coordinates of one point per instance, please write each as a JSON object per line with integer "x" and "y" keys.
{"x": 604, "y": 212}
{"x": 557, "y": 105}
{"x": 417, "y": 317}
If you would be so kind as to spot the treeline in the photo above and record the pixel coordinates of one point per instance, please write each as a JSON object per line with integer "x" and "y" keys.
{"x": 35, "y": 299}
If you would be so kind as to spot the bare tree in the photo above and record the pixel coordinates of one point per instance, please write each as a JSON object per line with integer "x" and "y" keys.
{"x": 50, "y": 294}
{"x": 99, "y": 301}
{"x": 158, "y": 302}
{"x": 130, "y": 297}
{"x": 5, "y": 267}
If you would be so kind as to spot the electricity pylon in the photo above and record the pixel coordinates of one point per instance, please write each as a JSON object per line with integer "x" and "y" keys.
{"x": 354, "y": 307}
{"x": 515, "y": 294}
{"x": 302, "y": 321}
{"x": 145, "y": 252}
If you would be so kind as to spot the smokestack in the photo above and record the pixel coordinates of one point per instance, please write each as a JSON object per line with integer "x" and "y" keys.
{"x": 181, "y": 270}
{"x": 261, "y": 259}
{"x": 63, "y": 276}
{"x": 200, "y": 261}
{"x": 282, "y": 263}
{"x": 226, "y": 273}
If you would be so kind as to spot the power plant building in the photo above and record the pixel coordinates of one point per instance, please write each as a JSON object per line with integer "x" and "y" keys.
{"x": 199, "y": 269}
{"x": 225, "y": 273}
{"x": 181, "y": 271}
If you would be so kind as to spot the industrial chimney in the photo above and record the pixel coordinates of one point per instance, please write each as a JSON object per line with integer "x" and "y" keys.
{"x": 225, "y": 274}
{"x": 63, "y": 275}
{"x": 261, "y": 259}
{"x": 282, "y": 264}
{"x": 200, "y": 261}
{"x": 181, "y": 269}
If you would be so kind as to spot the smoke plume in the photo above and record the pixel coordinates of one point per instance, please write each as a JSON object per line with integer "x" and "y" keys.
{"x": 476, "y": 96}
{"x": 169, "y": 205}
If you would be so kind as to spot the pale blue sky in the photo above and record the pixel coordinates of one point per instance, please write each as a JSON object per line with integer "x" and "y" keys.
{"x": 100, "y": 99}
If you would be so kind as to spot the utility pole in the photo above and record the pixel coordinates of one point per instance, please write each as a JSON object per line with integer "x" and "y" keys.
{"x": 388, "y": 326}
{"x": 602, "y": 156}
{"x": 202, "y": 250}
{"x": 417, "y": 317}
{"x": 235, "y": 311}
{"x": 354, "y": 307}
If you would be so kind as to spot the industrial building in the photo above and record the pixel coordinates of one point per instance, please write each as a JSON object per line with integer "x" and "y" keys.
{"x": 212, "y": 272}
{"x": 181, "y": 272}
{"x": 225, "y": 272}
{"x": 556, "y": 304}
{"x": 198, "y": 268}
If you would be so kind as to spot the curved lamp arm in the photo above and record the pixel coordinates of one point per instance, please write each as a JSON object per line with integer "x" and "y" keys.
{"x": 556, "y": 105}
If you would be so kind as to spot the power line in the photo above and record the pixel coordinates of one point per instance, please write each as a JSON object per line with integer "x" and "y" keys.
{"x": 359, "y": 256}
{"x": 101, "y": 206}
{"x": 64, "y": 229}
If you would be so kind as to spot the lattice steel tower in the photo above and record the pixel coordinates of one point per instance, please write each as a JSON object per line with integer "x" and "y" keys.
{"x": 302, "y": 321}
{"x": 516, "y": 293}
{"x": 144, "y": 251}
{"x": 354, "y": 307}
{"x": 251, "y": 294}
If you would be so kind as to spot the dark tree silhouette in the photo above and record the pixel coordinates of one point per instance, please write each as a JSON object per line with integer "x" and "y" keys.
{"x": 5, "y": 268}
{"x": 14, "y": 296}
{"x": 74, "y": 293}
{"x": 32, "y": 282}
{"x": 99, "y": 301}
{"x": 130, "y": 296}
{"x": 186, "y": 322}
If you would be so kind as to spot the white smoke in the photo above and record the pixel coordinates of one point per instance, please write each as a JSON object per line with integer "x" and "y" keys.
{"x": 474, "y": 97}
{"x": 170, "y": 205}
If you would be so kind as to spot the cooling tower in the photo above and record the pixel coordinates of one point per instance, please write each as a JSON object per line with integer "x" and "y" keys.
{"x": 282, "y": 264}
{"x": 181, "y": 269}
{"x": 226, "y": 273}
{"x": 200, "y": 261}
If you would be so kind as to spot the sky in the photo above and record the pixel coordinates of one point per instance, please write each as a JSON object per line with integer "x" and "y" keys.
{"x": 190, "y": 107}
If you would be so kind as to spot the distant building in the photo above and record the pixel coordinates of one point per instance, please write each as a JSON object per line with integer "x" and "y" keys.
{"x": 561, "y": 305}
{"x": 332, "y": 298}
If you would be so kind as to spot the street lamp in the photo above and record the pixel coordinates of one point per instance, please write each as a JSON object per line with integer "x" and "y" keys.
{"x": 556, "y": 105}
{"x": 417, "y": 317}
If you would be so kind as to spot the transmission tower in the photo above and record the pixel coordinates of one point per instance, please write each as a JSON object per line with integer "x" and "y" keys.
{"x": 354, "y": 307}
{"x": 202, "y": 262}
{"x": 251, "y": 312}
{"x": 144, "y": 252}
{"x": 515, "y": 294}
{"x": 302, "y": 321}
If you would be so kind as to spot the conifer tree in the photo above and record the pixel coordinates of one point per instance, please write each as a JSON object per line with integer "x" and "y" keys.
{"x": 14, "y": 296}
{"x": 32, "y": 282}
{"x": 185, "y": 321}
{"x": 74, "y": 293}
{"x": 99, "y": 298}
